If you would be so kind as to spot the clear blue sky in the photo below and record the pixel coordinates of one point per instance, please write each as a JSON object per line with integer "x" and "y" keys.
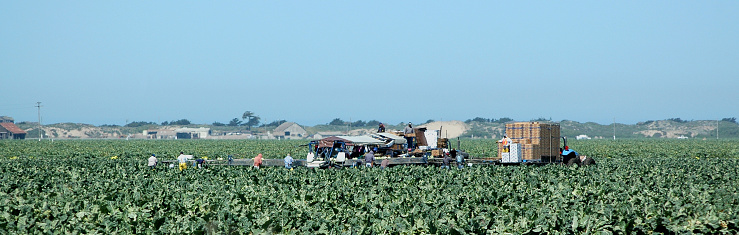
{"x": 105, "y": 62}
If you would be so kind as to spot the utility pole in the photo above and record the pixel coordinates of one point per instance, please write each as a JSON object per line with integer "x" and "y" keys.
{"x": 614, "y": 128}
{"x": 40, "y": 132}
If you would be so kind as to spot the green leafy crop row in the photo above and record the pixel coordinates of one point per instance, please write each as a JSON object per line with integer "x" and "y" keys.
{"x": 637, "y": 189}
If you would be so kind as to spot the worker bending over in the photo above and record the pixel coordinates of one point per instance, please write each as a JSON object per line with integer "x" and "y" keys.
{"x": 152, "y": 162}
{"x": 289, "y": 161}
{"x": 182, "y": 159}
{"x": 258, "y": 161}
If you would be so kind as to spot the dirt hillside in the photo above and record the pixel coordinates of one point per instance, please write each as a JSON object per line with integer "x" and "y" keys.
{"x": 449, "y": 129}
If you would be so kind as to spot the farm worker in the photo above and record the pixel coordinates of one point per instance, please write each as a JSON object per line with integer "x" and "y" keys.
{"x": 460, "y": 161}
{"x": 369, "y": 159}
{"x": 289, "y": 161}
{"x": 408, "y": 133}
{"x": 200, "y": 162}
{"x": 258, "y": 161}
{"x": 381, "y": 128}
{"x": 389, "y": 153}
{"x": 506, "y": 143}
{"x": 230, "y": 160}
{"x": 447, "y": 160}
{"x": 152, "y": 161}
{"x": 182, "y": 159}
{"x": 453, "y": 153}
{"x": 385, "y": 162}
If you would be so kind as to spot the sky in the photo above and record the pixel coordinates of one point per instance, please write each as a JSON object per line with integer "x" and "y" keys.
{"x": 113, "y": 62}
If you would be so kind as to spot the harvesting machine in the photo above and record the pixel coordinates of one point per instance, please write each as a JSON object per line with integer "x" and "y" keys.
{"x": 338, "y": 151}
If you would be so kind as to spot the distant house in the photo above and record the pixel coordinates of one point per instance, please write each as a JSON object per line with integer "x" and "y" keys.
{"x": 8, "y": 130}
{"x": 289, "y": 130}
{"x": 6, "y": 119}
{"x": 192, "y": 133}
{"x": 582, "y": 137}
{"x": 160, "y": 134}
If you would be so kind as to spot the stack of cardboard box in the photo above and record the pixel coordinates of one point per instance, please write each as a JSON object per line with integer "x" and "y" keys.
{"x": 538, "y": 140}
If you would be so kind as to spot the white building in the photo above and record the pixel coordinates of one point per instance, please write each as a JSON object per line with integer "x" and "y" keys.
{"x": 289, "y": 130}
{"x": 582, "y": 137}
{"x": 192, "y": 133}
{"x": 159, "y": 134}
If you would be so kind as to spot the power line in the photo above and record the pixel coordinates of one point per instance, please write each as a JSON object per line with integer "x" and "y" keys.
{"x": 9, "y": 105}
{"x": 6, "y": 107}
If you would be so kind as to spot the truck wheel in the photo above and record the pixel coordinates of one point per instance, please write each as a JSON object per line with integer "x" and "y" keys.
{"x": 588, "y": 162}
{"x": 573, "y": 161}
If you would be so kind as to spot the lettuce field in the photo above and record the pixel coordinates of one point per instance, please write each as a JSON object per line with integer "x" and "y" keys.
{"x": 105, "y": 187}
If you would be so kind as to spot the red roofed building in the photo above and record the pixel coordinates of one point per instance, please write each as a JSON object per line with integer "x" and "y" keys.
{"x": 9, "y": 130}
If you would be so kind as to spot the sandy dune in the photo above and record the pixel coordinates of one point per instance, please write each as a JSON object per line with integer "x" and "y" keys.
{"x": 449, "y": 129}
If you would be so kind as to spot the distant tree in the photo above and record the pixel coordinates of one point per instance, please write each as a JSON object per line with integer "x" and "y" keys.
{"x": 275, "y": 123}
{"x": 645, "y": 123}
{"x": 218, "y": 124}
{"x": 181, "y": 122}
{"x": 111, "y": 125}
{"x": 359, "y": 123}
{"x": 477, "y": 119}
{"x": 234, "y": 122}
{"x": 250, "y": 118}
{"x": 678, "y": 120}
{"x": 337, "y": 122}
{"x": 429, "y": 121}
{"x": 731, "y": 119}
{"x": 372, "y": 123}
{"x": 504, "y": 120}
{"x": 254, "y": 121}
{"x": 541, "y": 119}
{"x": 138, "y": 124}
{"x": 165, "y": 123}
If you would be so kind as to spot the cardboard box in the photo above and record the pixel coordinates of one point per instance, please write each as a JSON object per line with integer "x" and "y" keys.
{"x": 514, "y": 156}
{"x": 537, "y": 139}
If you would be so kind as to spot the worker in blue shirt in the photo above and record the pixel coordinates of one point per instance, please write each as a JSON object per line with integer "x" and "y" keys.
{"x": 289, "y": 161}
